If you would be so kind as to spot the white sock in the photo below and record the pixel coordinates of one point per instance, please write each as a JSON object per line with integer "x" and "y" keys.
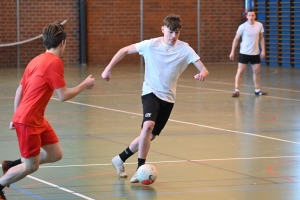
{"x": 236, "y": 90}
{"x": 257, "y": 90}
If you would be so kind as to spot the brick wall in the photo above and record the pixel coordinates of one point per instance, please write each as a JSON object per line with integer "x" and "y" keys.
{"x": 219, "y": 23}
{"x": 34, "y": 15}
{"x": 8, "y": 33}
{"x": 111, "y": 26}
{"x": 115, "y": 24}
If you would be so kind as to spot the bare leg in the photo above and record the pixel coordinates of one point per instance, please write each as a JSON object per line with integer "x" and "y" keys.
{"x": 239, "y": 74}
{"x": 50, "y": 153}
{"x": 256, "y": 75}
{"x": 142, "y": 143}
{"x": 20, "y": 171}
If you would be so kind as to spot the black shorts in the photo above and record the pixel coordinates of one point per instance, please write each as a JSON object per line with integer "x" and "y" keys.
{"x": 157, "y": 110}
{"x": 245, "y": 59}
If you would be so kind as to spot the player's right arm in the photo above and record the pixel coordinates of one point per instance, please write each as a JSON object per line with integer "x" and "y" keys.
{"x": 131, "y": 49}
{"x": 234, "y": 44}
{"x": 65, "y": 94}
{"x": 18, "y": 98}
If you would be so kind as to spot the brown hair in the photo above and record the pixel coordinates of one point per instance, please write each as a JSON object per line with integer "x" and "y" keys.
{"x": 251, "y": 10}
{"x": 173, "y": 22}
{"x": 53, "y": 35}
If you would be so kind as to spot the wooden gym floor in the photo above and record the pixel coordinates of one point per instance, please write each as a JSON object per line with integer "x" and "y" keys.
{"x": 214, "y": 147}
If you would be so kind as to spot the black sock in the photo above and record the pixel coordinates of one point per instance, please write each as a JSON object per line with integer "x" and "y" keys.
{"x": 141, "y": 162}
{"x": 16, "y": 162}
{"x": 1, "y": 187}
{"x": 125, "y": 154}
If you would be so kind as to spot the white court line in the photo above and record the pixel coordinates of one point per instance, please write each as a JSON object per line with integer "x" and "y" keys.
{"x": 283, "y": 89}
{"x": 183, "y": 86}
{"x": 182, "y": 122}
{"x": 218, "y": 90}
{"x": 175, "y": 161}
{"x": 60, "y": 188}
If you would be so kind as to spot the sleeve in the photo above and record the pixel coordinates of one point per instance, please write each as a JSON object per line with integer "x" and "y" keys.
{"x": 240, "y": 29}
{"x": 193, "y": 56}
{"x": 23, "y": 80}
{"x": 262, "y": 28}
{"x": 55, "y": 74}
{"x": 142, "y": 47}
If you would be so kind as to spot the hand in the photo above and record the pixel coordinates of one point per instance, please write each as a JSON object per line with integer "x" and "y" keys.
{"x": 11, "y": 126}
{"x": 106, "y": 75}
{"x": 89, "y": 82}
{"x": 231, "y": 56}
{"x": 262, "y": 55}
{"x": 199, "y": 77}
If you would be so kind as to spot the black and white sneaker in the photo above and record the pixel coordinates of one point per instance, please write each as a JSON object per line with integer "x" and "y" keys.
{"x": 260, "y": 93}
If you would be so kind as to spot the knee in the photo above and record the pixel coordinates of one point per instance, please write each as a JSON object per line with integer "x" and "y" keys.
{"x": 148, "y": 126}
{"x": 240, "y": 72}
{"x": 57, "y": 157}
{"x": 31, "y": 168}
{"x": 256, "y": 71}
{"x": 54, "y": 157}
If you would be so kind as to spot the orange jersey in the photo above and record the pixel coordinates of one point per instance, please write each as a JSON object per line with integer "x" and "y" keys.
{"x": 42, "y": 75}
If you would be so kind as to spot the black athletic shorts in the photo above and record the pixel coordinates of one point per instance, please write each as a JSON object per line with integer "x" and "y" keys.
{"x": 157, "y": 110}
{"x": 245, "y": 59}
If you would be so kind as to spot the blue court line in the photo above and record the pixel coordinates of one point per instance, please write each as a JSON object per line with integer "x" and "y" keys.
{"x": 26, "y": 192}
{"x": 39, "y": 197}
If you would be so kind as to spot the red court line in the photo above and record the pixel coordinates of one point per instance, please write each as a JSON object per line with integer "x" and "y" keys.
{"x": 271, "y": 170}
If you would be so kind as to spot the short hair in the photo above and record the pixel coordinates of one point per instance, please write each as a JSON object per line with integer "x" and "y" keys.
{"x": 173, "y": 22}
{"x": 251, "y": 10}
{"x": 53, "y": 35}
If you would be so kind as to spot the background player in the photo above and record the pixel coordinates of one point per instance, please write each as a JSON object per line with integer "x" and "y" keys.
{"x": 252, "y": 33}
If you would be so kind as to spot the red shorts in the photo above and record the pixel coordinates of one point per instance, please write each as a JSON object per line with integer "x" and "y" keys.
{"x": 31, "y": 139}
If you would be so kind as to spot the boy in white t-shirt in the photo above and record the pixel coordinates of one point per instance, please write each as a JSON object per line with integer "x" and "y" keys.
{"x": 165, "y": 59}
{"x": 252, "y": 33}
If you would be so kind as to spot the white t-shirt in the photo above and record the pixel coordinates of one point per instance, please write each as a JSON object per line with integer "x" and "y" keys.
{"x": 163, "y": 66}
{"x": 250, "y": 37}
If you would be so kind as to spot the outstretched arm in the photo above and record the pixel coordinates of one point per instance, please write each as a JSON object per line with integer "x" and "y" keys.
{"x": 234, "y": 44}
{"x": 203, "y": 71}
{"x": 117, "y": 57}
{"x": 65, "y": 94}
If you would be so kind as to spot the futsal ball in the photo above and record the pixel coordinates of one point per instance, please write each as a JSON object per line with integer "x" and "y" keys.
{"x": 146, "y": 174}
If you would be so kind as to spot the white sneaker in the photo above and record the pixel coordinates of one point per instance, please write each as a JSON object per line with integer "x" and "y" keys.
{"x": 134, "y": 178}
{"x": 119, "y": 165}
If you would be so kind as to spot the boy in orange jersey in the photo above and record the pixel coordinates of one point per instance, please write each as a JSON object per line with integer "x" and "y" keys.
{"x": 43, "y": 75}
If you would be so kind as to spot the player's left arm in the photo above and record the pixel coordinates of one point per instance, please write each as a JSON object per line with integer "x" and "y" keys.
{"x": 203, "y": 71}
{"x": 18, "y": 98}
{"x": 262, "y": 45}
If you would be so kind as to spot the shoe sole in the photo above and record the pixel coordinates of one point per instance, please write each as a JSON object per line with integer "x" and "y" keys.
{"x": 235, "y": 94}
{"x": 134, "y": 181}
{"x": 125, "y": 176}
